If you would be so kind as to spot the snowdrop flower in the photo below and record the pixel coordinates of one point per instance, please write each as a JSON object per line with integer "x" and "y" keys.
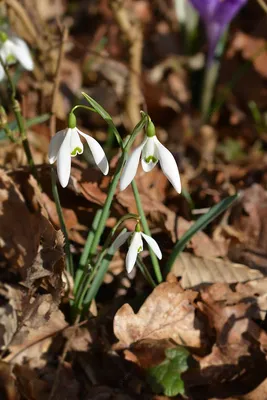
{"x": 14, "y": 49}
{"x": 216, "y": 15}
{"x": 66, "y": 144}
{"x": 136, "y": 245}
{"x": 151, "y": 151}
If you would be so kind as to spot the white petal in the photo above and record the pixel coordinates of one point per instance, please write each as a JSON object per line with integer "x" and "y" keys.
{"x": 120, "y": 240}
{"x": 64, "y": 160}
{"x": 2, "y": 73}
{"x": 130, "y": 168}
{"x": 149, "y": 153}
{"x": 76, "y": 146}
{"x": 22, "y": 53}
{"x": 135, "y": 247}
{"x": 97, "y": 153}
{"x": 6, "y": 50}
{"x": 55, "y": 144}
{"x": 169, "y": 166}
{"x": 153, "y": 244}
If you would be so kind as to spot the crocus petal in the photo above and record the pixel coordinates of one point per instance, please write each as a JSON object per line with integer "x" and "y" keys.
{"x": 216, "y": 14}
{"x": 76, "y": 146}
{"x": 22, "y": 53}
{"x": 55, "y": 144}
{"x": 226, "y": 10}
{"x": 64, "y": 160}
{"x": 149, "y": 153}
{"x": 205, "y": 8}
{"x": 135, "y": 247}
{"x": 97, "y": 153}
{"x": 120, "y": 240}
{"x": 153, "y": 244}
{"x": 169, "y": 166}
{"x": 130, "y": 168}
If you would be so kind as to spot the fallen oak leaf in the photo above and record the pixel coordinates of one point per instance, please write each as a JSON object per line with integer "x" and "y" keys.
{"x": 168, "y": 313}
{"x": 198, "y": 270}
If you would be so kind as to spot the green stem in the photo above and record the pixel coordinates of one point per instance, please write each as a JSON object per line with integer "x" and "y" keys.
{"x": 84, "y": 257}
{"x": 87, "y": 278}
{"x": 103, "y": 265}
{"x": 210, "y": 79}
{"x": 107, "y": 205}
{"x": 82, "y": 106}
{"x": 145, "y": 272}
{"x": 153, "y": 257}
{"x": 62, "y": 222}
{"x": 113, "y": 186}
{"x": 89, "y": 240}
{"x": 20, "y": 121}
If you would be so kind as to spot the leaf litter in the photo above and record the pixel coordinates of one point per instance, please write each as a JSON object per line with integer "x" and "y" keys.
{"x": 201, "y": 334}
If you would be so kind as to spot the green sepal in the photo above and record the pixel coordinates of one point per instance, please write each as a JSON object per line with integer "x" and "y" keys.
{"x": 72, "y": 120}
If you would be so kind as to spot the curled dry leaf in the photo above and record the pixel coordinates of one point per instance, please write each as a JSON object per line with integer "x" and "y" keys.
{"x": 197, "y": 270}
{"x": 249, "y": 216}
{"x": 239, "y": 341}
{"x": 168, "y": 313}
{"x": 40, "y": 321}
{"x": 11, "y": 299}
{"x": 201, "y": 244}
{"x": 19, "y": 228}
{"x": 8, "y": 388}
{"x": 251, "y": 48}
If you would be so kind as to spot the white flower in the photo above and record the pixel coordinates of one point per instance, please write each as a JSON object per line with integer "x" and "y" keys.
{"x": 136, "y": 246}
{"x": 151, "y": 151}
{"x": 14, "y": 49}
{"x": 66, "y": 144}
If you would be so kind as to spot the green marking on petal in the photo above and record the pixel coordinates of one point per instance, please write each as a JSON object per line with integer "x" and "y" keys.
{"x": 76, "y": 151}
{"x": 151, "y": 158}
{"x": 10, "y": 59}
{"x": 3, "y": 37}
{"x": 139, "y": 249}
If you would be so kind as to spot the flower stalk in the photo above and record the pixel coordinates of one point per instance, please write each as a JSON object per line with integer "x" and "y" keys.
{"x": 20, "y": 121}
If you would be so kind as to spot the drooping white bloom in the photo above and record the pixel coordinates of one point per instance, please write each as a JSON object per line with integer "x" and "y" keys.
{"x": 151, "y": 151}
{"x": 14, "y": 49}
{"x": 66, "y": 144}
{"x": 136, "y": 246}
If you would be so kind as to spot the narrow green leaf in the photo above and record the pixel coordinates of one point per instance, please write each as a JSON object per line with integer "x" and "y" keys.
{"x": 97, "y": 107}
{"x": 199, "y": 225}
{"x": 29, "y": 122}
{"x": 166, "y": 377}
{"x": 100, "y": 110}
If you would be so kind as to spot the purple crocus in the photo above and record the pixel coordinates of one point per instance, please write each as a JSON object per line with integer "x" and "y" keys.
{"x": 216, "y": 15}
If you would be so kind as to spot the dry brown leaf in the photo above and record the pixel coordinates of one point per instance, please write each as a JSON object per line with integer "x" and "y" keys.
{"x": 239, "y": 348}
{"x": 19, "y": 228}
{"x": 40, "y": 321}
{"x": 201, "y": 244}
{"x": 11, "y": 298}
{"x": 168, "y": 313}
{"x": 197, "y": 270}
{"x": 249, "y": 216}
{"x": 8, "y": 387}
{"x": 252, "y": 48}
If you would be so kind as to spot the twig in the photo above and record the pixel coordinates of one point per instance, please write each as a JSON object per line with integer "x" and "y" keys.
{"x": 57, "y": 80}
{"x": 23, "y": 16}
{"x": 63, "y": 357}
{"x": 132, "y": 29}
{"x": 263, "y": 5}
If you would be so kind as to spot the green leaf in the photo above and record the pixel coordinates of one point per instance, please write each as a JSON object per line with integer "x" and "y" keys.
{"x": 199, "y": 225}
{"x": 100, "y": 110}
{"x": 166, "y": 377}
{"x": 29, "y": 122}
{"x": 97, "y": 107}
